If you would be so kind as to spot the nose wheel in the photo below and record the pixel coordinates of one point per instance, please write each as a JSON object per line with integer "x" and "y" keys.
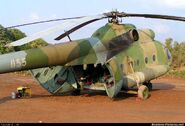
{"x": 143, "y": 92}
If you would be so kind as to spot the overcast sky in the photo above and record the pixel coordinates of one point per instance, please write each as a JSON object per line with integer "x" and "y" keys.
{"x": 14, "y": 12}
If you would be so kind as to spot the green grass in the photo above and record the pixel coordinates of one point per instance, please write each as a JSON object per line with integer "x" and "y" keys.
{"x": 176, "y": 73}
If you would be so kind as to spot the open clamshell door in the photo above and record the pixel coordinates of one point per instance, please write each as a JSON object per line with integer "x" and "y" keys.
{"x": 57, "y": 80}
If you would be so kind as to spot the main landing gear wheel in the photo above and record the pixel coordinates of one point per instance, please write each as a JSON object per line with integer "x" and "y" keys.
{"x": 143, "y": 92}
{"x": 76, "y": 92}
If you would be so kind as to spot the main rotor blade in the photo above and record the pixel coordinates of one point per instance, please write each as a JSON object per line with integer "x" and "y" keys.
{"x": 167, "y": 17}
{"x": 46, "y": 21}
{"x": 78, "y": 27}
{"x": 73, "y": 25}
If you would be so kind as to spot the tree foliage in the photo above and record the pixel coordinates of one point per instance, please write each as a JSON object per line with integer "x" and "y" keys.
{"x": 37, "y": 43}
{"x": 17, "y": 34}
{"x": 5, "y": 38}
{"x": 178, "y": 52}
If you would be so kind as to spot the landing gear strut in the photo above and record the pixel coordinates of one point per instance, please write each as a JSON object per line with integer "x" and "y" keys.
{"x": 76, "y": 92}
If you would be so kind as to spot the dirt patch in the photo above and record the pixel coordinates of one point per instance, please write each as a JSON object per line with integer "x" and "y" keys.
{"x": 166, "y": 104}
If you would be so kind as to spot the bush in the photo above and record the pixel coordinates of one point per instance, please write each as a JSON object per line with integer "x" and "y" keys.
{"x": 176, "y": 73}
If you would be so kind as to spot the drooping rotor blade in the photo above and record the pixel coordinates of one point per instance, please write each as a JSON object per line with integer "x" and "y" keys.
{"x": 79, "y": 22}
{"x": 78, "y": 27}
{"x": 40, "y": 22}
{"x": 68, "y": 24}
{"x": 122, "y": 14}
{"x": 167, "y": 17}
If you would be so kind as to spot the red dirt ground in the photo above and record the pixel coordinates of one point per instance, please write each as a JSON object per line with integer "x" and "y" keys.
{"x": 166, "y": 104}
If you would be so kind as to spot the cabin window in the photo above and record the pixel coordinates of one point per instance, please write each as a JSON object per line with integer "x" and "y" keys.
{"x": 56, "y": 76}
{"x": 137, "y": 62}
{"x": 37, "y": 75}
{"x": 45, "y": 72}
{"x": 154, "y": 58}
{"x": 146, "y": 60}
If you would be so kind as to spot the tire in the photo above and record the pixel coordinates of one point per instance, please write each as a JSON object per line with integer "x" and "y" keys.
{"x": 149, "y": 85}
{"x": 76, "y": 92}
{"x": 143, "y": 92}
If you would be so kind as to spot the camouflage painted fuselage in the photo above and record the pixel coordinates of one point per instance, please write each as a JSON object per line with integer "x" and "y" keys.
{"x": 130, "y": 59}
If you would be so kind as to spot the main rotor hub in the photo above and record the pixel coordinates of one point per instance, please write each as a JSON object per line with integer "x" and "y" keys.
{"x": 114, "y": 17}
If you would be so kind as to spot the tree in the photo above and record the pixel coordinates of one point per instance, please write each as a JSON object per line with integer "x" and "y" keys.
{"x": 18, "y": 35}
{"x": 177, "y": 51}
{"x": 175, "y": 54}
{"x": 168, "y": 43}
{"x": 182, "y": 54}
{"x": 5, "y": 38}
{"x": 37, "y": 43}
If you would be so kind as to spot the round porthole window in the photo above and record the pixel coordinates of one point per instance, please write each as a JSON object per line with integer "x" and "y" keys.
{"x": 138, "y": 62}
{"x": 146, "y": 60}
{"x": 45, "y": 72}
{"x": 154, "y": 58}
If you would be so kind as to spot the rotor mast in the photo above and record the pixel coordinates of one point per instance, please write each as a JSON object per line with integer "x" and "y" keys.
{"x": 114, "y": 17}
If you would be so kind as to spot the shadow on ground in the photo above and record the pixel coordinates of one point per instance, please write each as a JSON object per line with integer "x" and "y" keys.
{"x": 90, "y": 93}
{"x": 163, "y": 86}
{"x": 5, "y": 99}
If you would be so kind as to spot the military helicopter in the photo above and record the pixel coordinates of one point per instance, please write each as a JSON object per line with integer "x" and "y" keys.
{"x": 117, "y": 57}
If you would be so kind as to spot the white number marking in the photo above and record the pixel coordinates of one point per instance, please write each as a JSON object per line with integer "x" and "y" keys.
{"x": 18, "y": 62}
